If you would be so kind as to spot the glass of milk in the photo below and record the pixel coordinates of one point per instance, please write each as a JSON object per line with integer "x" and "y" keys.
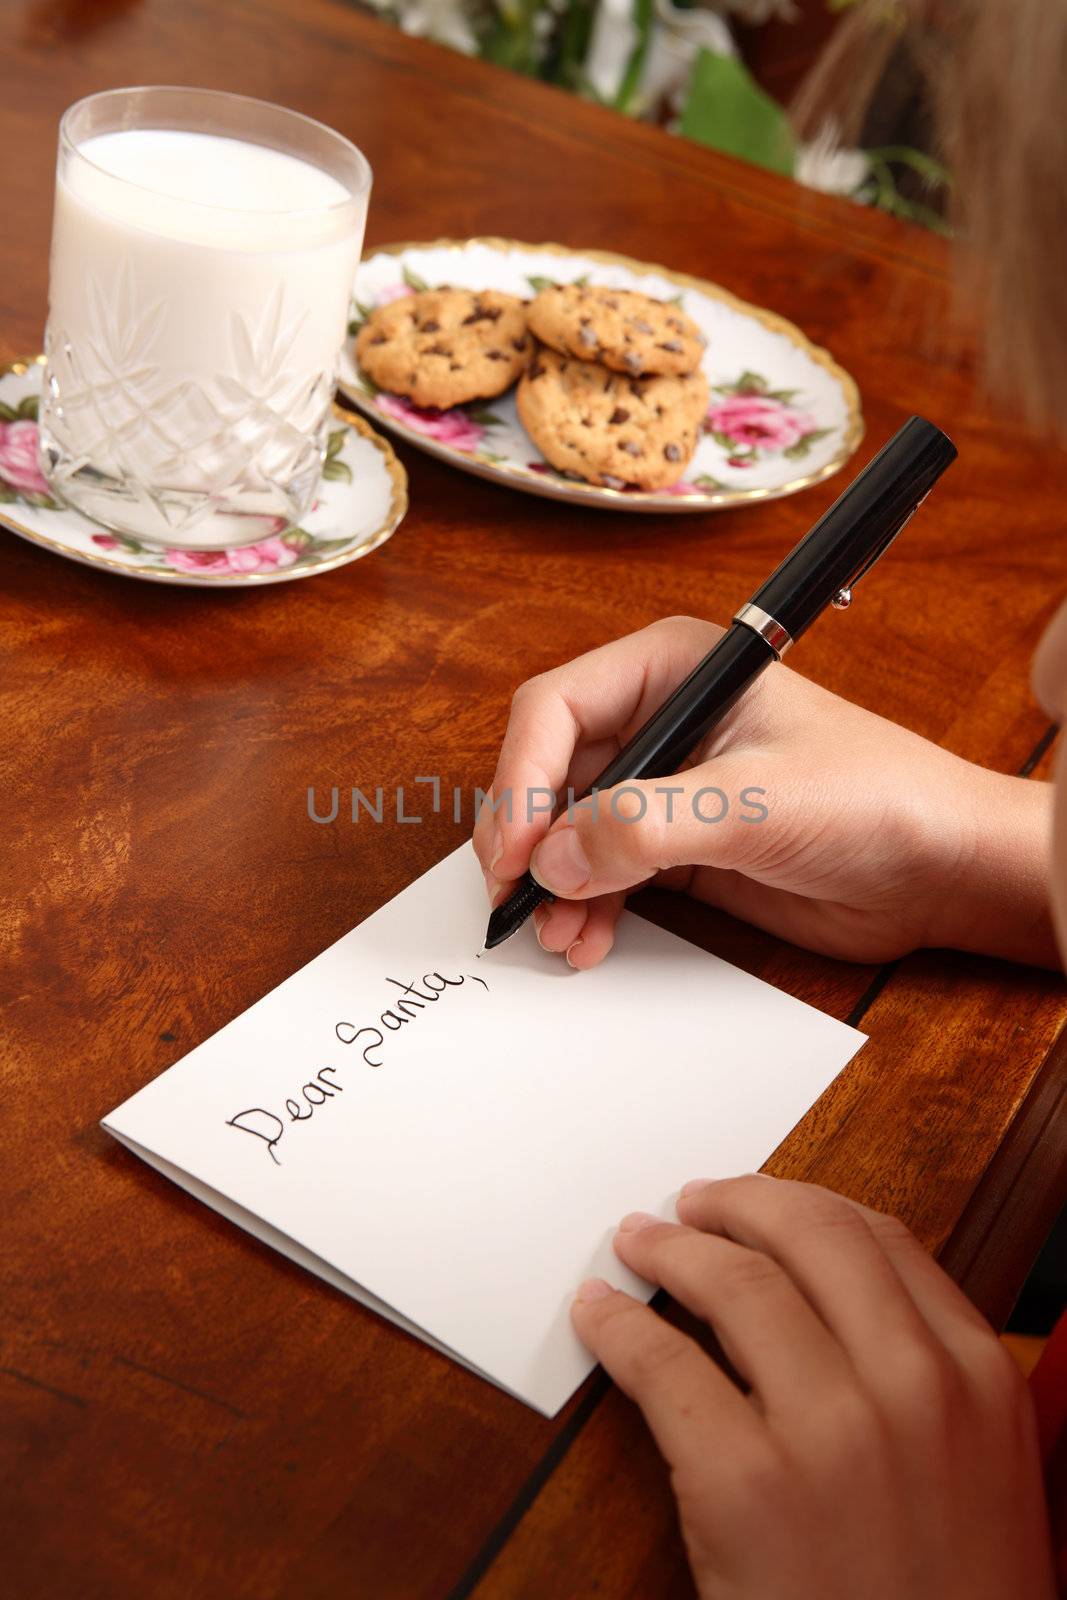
{"x": 204, "y": 248}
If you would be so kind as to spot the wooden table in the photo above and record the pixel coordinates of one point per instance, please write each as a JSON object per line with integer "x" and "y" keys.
{"x": 185, "y": 1413}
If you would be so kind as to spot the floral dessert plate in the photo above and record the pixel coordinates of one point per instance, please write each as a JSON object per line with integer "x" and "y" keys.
{"x": 782, "y": 415}
{"x": 362, "y": 498}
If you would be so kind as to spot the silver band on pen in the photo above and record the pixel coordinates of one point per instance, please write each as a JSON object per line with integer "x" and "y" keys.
{"x": 767, "y": 627}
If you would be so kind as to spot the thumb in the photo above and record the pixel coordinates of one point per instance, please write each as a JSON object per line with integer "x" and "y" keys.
{"x": 617, "y": 838}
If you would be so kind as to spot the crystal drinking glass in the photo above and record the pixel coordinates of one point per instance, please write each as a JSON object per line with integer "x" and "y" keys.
{"x": 204, "y": 248}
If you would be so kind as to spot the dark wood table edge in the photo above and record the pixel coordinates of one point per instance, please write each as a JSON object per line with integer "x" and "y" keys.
{"x": 1017, "y": 1199}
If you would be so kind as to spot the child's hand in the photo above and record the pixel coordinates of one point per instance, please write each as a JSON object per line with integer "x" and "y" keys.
{"x": 870, "y": 841}
{"x": 886, "y": 1447}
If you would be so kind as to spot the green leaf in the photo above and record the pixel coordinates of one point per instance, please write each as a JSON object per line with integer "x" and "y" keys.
{"x": 575, "y": 35}
{"x": 677, "y": 300}
{"x": 537, "y": 284}
{"x": 750, "y": 383}
{"x": 582, "y": 281}
{"x": 797, "y": 452}
{"x": 727, "y": 110}
{"x": 133, "y": 547}
{"x": 704, "y": 480}
{"x": 324, "y": 547}
{"x": 413, "y": 280}
{"x": 904, "y": 155}
{"x": 337, "y": 472}
{"x": 784, "y": 395}
{"x": 484, "y": 419}
{"x": 7, "y": 496}
{"x": 7, "y": 414}
{"x": 28, "y": 408}
{"x": 335, "y": 442}
{"x": 724, "y": 441}
{"x": 298, "y": 539}
{"x": 628, "y": 93}
{"x": 359, "y": 315}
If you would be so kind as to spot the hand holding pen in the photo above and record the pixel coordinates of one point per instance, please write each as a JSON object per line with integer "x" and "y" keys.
{"x": 857, "y": 853}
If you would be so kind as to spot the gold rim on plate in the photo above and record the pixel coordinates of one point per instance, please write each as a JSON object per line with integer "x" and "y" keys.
{"x": 627, "y": 499}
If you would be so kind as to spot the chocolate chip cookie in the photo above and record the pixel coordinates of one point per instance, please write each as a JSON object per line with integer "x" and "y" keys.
{"x": 446, "y": 346}
{"x": 611, "y": 429}
{"x": 625, "y": 331}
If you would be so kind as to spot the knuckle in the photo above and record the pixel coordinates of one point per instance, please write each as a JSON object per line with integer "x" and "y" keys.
{"x": 529, "y": 689}
{"x": 890, "y": 1232}
{"x": 744, "y": 1273}
{"x": 926, "y": 1387}
{"x": 995, "y": 1375}
{"x": 658, "y": 1360}
{"x": 829, "y": 1212}
{"x": 759, "y": 1473}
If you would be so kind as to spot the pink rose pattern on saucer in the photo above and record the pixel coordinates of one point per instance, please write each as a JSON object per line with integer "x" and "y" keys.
{"x": 750, "y": 421}
{"x": 21, "y": 481}
{"x": 361, "y": 500}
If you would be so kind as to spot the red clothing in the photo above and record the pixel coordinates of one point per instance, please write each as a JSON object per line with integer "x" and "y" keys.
{"x": 1048, "y": 1383}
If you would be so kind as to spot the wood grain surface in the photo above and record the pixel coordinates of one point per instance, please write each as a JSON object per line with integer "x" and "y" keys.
{"x": 185, "y": 1414}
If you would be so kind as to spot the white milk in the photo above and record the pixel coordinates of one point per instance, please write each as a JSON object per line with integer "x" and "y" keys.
{"x": 199, "y": 296}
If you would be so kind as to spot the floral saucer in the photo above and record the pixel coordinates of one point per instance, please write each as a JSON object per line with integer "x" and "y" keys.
{"x": 362, "y": 500}
{"x": 783, "y": 414}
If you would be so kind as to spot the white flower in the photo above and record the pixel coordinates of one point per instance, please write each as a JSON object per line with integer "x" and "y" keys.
{"x": 824, "y": 164}
{"x": 444, "y": 21}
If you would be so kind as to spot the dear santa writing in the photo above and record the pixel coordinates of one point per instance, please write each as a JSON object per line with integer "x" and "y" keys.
{"x": 324, "y": 1085}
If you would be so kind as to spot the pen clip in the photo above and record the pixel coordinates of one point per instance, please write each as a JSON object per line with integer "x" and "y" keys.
{"x": 879, "y": 553}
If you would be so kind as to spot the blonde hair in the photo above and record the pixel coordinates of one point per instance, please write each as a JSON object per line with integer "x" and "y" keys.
{"x": 997, "y": 77}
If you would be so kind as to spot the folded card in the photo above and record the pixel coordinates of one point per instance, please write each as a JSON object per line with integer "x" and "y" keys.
{"x": 450, "y": 1135}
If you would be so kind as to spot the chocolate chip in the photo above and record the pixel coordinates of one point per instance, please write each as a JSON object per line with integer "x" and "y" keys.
{"x": 632, "y": 448}
{"x": 429, "y": 327}
{"x": 672, "y": 345}
{"x": 672, "y": 322}
{"x": 379, "y": 338}
{"x": 612, "y": 483}
{"x": 620, "y": 414}
{"x": 637, "y": 389}
{"x": 536, "y": 369}
{"x": 614, "y": 304}
{"x": 496, "y": 355}
{"x": 642, "y": 327}
{"x": 672, "y": 452}
{"x": 518, "y": 344}
{"x": 587, "y": 337}
{"x": 482, "y": 314}
{"x": 438, "y": 350}
{"x": 633, "y": 361}
{"x": 609, "y": 383}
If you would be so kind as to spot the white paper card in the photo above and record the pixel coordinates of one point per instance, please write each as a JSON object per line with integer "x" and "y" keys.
{"x": 451, "y": 1138}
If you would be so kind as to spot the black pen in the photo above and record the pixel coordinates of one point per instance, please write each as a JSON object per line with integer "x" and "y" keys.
{"x": 821, "y": 571}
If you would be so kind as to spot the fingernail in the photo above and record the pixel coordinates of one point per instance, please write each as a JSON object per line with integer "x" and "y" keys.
{"x": 638, "y": 1220}
{"x": 494, "y": 889}
{"x": 571, "y": 948}
{"x": 496, "y": 849}
{"x": 559, "y": 862}
{"x": 540, "y": 917}
{"x": 593, "y": 1289}
{"x": 694, "y": 1186}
